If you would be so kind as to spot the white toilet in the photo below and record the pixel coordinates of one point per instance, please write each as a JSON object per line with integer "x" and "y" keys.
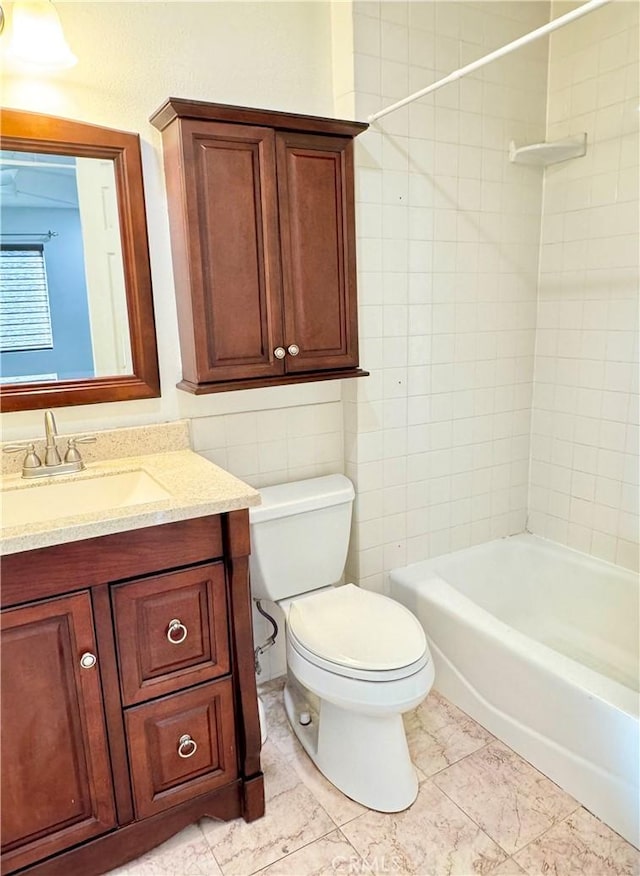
{"x": 356, "y": 660}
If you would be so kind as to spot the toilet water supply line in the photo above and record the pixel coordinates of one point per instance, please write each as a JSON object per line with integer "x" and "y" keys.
{"x": 493, "y": 56}
{"x": 270, "y": 642}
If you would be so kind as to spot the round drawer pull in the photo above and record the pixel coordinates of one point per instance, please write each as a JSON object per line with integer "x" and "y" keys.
{"x": 88, "y": 660}
{"x": 293, "y": 349}
{"x": 279, "y": 352}
{"x": 187, "y": 747}
{"x": 177, "y": 632}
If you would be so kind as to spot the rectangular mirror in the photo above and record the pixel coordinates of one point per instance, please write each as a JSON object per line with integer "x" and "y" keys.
{"x": 76, "y": 310}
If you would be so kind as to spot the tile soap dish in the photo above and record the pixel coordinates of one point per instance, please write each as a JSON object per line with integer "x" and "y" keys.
{"x": 543, "y": 154}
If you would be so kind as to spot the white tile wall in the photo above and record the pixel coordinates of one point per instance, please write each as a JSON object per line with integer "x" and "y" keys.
{"x": 276, "y": 445}
{"x": 437, "y": 439}
{"x": 584, "y": 470}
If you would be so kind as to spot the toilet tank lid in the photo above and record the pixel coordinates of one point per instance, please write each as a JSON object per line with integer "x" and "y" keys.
{"x": 283, "y": 500}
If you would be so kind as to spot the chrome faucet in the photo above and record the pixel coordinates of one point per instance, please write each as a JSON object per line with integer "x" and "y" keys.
{"x": 33, "y": 467}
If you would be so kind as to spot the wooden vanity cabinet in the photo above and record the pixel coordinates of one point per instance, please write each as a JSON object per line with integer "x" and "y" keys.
{"x": 261, "y": 208}
{"x": 129, "y": 706}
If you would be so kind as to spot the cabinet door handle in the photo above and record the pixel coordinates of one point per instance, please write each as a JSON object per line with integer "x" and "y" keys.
{"x": 88, "y": 660}
{"x": 279, "y": 352}
{"x": 293, "y": 349}
{"x": 187, "y": 746}
{"x": 177, "y": 632}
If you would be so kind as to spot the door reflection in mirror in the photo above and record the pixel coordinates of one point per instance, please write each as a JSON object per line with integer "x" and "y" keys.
{"x": 63, "y": 308}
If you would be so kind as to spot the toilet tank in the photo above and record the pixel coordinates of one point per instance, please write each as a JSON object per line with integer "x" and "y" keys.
{"x": 299, "y": 536}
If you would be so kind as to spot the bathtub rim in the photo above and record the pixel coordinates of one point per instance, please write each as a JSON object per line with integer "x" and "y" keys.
{"x": 529, "y": 538}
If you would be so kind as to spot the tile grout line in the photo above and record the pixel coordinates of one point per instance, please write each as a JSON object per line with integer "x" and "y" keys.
{"x": 460, "y": 759}
{"x": 545, "y": 832}
{"x": 305, "y": 846}
{"x": 473, "y": 821}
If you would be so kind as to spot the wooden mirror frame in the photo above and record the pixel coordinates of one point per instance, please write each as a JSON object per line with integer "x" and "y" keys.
{"x": 34, "y": 132}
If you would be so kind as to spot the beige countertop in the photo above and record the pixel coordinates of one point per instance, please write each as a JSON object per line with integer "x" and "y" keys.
{"x": 196, "y": 488}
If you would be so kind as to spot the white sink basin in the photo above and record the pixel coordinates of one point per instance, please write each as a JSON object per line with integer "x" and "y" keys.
{"x": 54, "y": 500}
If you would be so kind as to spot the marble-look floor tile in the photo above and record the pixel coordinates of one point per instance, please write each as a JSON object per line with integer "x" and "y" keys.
{"x": 292, "y": 819}
{"x": 431, "y": 837}
{"x": 325, "y": 857}
{"x": 509, "y": 868}
{"x": 506, "y": 796}
{"x": 271, "y": 686}
{"x": 439, "y": 734}
{"x": 581, "y": 845}
{"x": 185, "y": 854}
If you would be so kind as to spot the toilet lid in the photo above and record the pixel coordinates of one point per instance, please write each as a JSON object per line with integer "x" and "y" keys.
{"x": 354, "y": 627}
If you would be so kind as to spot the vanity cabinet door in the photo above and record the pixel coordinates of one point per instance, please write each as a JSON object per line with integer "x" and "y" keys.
{"x": 56, "y": 779}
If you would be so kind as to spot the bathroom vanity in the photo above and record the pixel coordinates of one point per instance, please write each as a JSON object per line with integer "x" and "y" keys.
{"x": 129, "y": 704}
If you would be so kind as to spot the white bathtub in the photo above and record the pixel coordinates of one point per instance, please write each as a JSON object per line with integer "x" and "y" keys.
{"x": 539, "y": 644}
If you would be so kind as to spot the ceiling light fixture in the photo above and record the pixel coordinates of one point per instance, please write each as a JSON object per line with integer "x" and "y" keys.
{"x": 37, "y": 38}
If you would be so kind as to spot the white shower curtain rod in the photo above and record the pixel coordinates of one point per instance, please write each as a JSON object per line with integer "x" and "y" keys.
{"x": 493, "y": 56}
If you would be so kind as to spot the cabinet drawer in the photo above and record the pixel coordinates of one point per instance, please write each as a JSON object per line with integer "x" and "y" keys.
{"x": 181, "y": 746}
{"x": 171, "y": 632}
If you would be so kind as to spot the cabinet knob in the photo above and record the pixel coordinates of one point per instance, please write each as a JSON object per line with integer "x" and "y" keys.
{"x": 187, "y": 747}
{"x": 293, "y": 349}
{"x": 177, "y": 632}
{"x": 279, "y": 352}
{"x": 88, "y": 660}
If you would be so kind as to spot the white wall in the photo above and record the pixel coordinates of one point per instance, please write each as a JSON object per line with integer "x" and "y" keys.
{"x": 132, "y": 56}
{"x": 584, "y": 473}
{"x": 437, "y": 439}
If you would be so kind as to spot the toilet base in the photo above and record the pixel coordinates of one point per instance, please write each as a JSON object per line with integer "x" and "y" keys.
{"x": 364, "y": 756}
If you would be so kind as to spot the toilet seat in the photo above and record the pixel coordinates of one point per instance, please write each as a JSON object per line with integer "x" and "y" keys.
{"x": 357, "y": 634}
{"x": 379, "y": 676}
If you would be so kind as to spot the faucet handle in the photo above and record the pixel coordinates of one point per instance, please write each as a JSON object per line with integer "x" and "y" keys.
{"x": 31, "y": 460}
{"x": 72, "y": 454}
